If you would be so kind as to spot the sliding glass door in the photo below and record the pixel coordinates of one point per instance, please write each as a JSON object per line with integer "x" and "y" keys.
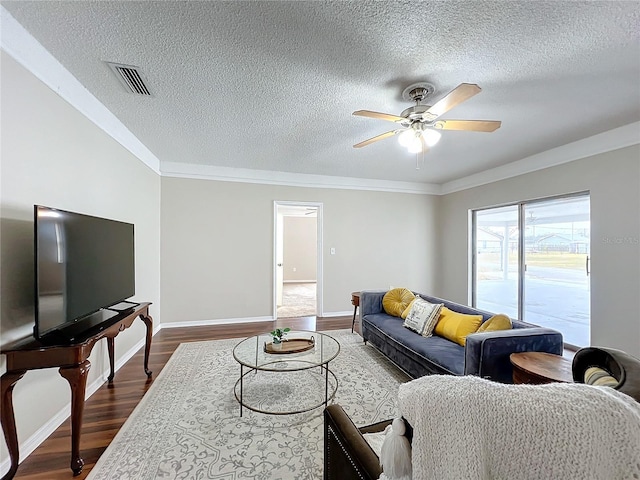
{"x": 541, "y": 276}
{"x": 496, "y": 260}
{"x": 556, "y": 259}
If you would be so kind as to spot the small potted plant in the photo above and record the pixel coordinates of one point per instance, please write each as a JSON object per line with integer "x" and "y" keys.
{"x": 277, "y": 336}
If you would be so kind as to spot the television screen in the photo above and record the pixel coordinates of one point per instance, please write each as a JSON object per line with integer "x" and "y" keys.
{"x": 83, "y": 264}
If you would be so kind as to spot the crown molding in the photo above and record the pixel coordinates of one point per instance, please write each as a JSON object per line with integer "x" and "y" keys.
{"x": 28, "y": 52}
{"x": 268, "y": 177}
{"x": 615, "y": 139}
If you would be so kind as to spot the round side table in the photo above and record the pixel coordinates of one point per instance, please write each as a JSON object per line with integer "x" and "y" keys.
{"x": 540, "y": 367}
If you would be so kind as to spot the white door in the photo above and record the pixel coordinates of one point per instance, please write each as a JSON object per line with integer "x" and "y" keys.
{"x": 282, "y": 209}
{"x": 279, "y": 257}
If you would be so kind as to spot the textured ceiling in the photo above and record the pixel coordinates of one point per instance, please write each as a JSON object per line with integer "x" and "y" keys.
{"x": 272, "y": 85}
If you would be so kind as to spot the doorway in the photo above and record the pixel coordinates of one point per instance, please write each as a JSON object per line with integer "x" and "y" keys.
{"x": 297, "y": 259}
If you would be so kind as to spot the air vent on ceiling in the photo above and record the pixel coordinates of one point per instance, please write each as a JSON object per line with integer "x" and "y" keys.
{"x": 131, "y": 78}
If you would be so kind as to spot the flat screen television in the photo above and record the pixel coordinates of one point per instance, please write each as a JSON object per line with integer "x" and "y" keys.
{"x": 84, "y": 272}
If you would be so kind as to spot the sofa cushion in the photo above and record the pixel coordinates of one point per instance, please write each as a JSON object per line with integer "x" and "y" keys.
{"x": 438, "y": 350}
{"x": 396, "y": 300}
{"x": 422, "y": 316}
{"x": 456, "y": 326}
{"x": 495, "y": 323}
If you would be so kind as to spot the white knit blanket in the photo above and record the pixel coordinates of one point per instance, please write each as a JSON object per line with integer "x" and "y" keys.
{"x": 470, "y": 428}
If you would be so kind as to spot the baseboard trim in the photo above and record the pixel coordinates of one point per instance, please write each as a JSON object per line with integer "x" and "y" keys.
{"x": 348, "y": 313}
{"x": 219, "y": 321}
{"x": 27, "y": 447}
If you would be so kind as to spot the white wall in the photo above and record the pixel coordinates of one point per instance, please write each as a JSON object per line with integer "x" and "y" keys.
{"x": 52, "y": 155}
{"x": 217, "y": 246}
{"x": 300, "y": 250}
{"x": 613, "y": 180}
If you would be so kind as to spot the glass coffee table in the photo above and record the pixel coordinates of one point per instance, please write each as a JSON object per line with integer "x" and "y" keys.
{"x": 280, "y": 376}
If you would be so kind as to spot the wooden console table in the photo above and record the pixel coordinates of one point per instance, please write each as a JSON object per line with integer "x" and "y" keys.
{"x": 72, "y": 361}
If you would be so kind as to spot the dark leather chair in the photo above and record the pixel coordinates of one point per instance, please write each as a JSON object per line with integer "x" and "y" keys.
{"x": 347, "y": 455}
{"x": 622, "y": 366}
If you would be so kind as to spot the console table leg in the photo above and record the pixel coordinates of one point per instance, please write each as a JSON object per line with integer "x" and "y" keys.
{"x": 148, "y": 321}
{"x": 111, "y": 349}
{"x": 8, "y": 419}
{"x": 77, "y": 378}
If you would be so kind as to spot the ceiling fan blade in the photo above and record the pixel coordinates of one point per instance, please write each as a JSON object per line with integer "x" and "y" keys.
{"x": 376, "y": 138}
{"x": 469, "y": 125}
{"x": 381, "y": 116}
{"x": 462, "y": 92}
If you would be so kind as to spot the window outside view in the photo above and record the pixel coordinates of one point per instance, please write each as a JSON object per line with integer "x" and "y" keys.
{"x": 555, "y": 279}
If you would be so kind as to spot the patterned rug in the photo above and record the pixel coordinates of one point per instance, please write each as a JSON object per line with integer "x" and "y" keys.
{"x": 188, "y": 424}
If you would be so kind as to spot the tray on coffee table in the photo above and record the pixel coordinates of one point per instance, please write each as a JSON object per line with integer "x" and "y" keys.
{"x": 293, "y": 345}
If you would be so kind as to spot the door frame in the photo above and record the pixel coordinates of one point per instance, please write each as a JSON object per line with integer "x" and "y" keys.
{"x": 319, "y": 247}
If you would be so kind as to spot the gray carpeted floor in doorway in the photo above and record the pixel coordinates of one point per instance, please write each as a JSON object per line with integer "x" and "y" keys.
{"x": 298, "y": 300}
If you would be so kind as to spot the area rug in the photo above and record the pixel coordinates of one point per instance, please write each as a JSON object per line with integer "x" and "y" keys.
{"x": 188, "y": 425}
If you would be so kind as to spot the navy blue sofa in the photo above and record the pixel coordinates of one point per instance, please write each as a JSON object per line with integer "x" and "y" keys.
{"x": 485, "y": 354}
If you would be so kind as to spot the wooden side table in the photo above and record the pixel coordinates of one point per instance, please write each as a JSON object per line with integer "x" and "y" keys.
{"x": 355, "y": 301}
{"x": 539, "y": 367}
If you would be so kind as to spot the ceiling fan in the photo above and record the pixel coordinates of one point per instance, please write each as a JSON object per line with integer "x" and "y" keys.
{"x": 421, "y": 122}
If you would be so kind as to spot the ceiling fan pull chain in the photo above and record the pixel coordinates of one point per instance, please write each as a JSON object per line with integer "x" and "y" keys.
{"x": 419, "y": 159}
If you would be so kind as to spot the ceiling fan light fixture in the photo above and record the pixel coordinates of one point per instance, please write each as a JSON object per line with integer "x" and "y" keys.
{"x": 421, "y": 125}
{"x": 415, "y": 146}
{"x": 406, "y": 137}
{"x": 431, "y": 137}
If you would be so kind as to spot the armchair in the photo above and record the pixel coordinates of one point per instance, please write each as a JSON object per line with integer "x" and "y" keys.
{"x": 622, "y": 366}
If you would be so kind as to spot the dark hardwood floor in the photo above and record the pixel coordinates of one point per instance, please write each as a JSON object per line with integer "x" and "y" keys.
{"x": 108, "y": 408}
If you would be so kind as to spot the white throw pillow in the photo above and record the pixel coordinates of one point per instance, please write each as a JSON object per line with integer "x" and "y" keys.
{"x": 421, "y": 317}
{"x": 376, "y": 439}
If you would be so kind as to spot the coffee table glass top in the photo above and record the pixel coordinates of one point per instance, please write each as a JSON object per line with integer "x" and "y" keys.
{"x": 250, "y": 352}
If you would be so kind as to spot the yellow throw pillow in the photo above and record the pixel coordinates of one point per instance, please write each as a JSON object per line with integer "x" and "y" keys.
{"x": 497, "y": 322}
{"x": 456, "y": 326}
{"x": 405, "y": 314}
{"x": 395, "y": 301}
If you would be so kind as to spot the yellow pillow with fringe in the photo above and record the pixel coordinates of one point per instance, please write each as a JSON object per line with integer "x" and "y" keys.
{"x": 395, "y": 301}
{"x": 456, "y": 326}
{"x": 497, "y": 322}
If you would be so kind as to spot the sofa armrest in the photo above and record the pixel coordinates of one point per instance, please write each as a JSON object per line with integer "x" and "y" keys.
{"x": 347, "y": 455}
{"x": 371, "y": 302}
{"x": 487, "y": 354}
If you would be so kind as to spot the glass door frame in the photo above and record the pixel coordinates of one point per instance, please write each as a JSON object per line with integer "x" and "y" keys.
{"x": 521, "y": 244}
